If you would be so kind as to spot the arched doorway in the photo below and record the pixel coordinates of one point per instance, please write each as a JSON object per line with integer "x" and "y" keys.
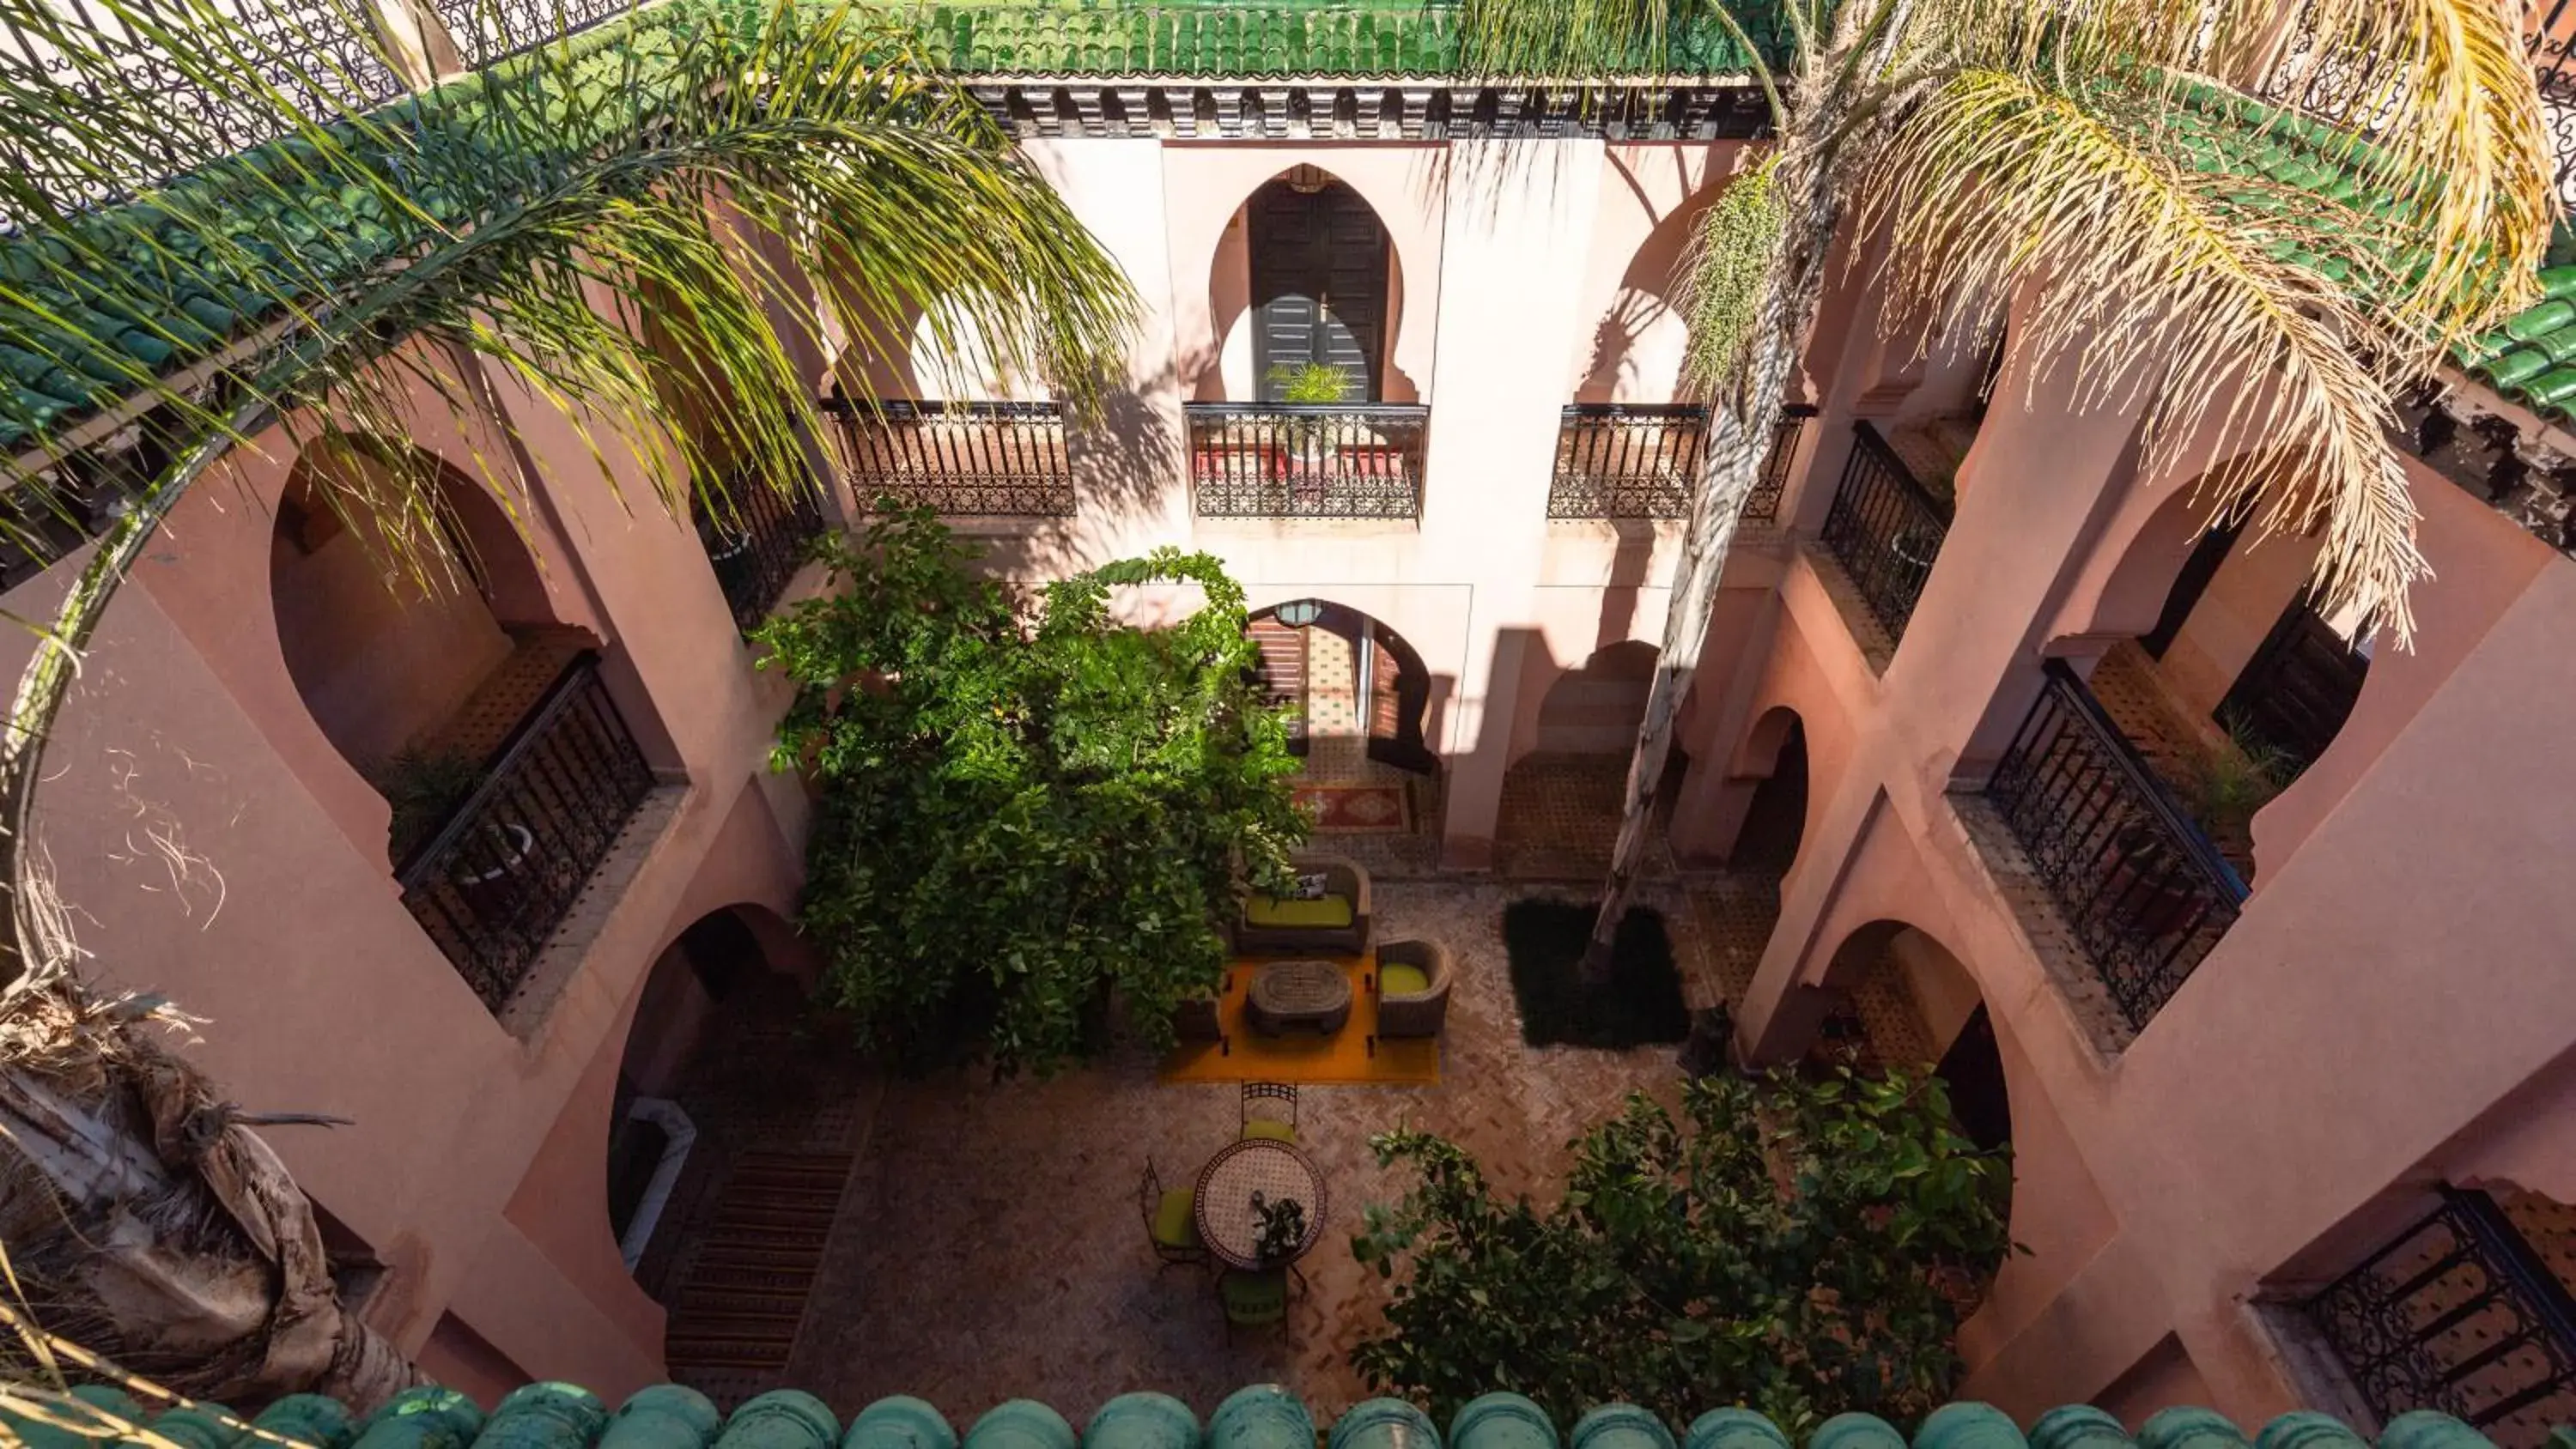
{"x": 1564, "y": 800}
{"x": 1897, "y": 999}
{"x": 1775, "y": 812}
{"x": 1320, "y": 268}
{"x": 2236, "y": 682}
{"x": 1353, "y": 686}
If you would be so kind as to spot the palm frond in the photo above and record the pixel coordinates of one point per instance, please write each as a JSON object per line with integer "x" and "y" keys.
{"x": 2427, "y": 107}
{"x": 531, "y": 217}
{"x": 2157, "y": 294}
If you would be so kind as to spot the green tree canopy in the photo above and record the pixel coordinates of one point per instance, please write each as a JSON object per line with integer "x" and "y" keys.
{"x": 1023, "y": 810}
{"x": 1800, "y": 1247}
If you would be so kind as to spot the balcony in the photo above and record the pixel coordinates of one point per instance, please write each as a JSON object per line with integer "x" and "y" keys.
{"x": 757, "y": 550}
{"x": 2143, "y": 888}
{"x": 493, "y": 882}
{"x": 1286, "y": 460}
{"x": 1637, "y": 460}
{"x": 2461, "y": 1313}
{"x": 1885, "y": 530}
{"x": 958, "y": 459}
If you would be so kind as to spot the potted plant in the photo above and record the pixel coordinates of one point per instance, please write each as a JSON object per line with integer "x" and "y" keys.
{"x": 1310, "y": 384}
{"x": 1283, "y": 1230}
{"x": 423, "y": 786}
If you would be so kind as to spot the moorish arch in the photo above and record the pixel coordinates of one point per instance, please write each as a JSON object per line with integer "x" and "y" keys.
{"x": 1306, "y": 275}
{"x": 1345, "y": 676}
{"x": 1635, "y": 351}
{"x": 388, "y": 618}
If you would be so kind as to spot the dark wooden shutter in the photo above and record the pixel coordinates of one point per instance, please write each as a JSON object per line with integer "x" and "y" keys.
{"x": 2299, "y": 687}
{"x": 1318, "y": 263}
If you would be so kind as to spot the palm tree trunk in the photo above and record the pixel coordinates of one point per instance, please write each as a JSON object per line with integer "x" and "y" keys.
{"x": 108, "y": 1132}
{"x": 1741, "y": 425}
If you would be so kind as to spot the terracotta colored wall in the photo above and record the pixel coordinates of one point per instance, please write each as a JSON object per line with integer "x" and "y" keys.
{"x": 2404, "y": 921}
{"x": 377, "y": 656}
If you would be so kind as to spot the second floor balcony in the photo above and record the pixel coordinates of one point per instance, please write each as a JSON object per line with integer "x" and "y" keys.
{"x": 501, "y": 870}
{"x": 2145, "y": 891}
{"x": 958, "y": 459}
{"x": 1293, "y": 460}
{"x": 1885, "y": 529}
{"x": 1645, "y": 460}
{"x": 756, "y": 543}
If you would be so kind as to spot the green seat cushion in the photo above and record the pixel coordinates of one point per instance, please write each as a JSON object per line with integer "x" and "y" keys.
{"x": 1397, "y": 979}
{"x": 1175, "y": 1226}
{"x": 1254, "y": 1297}
{"x": 1271, "y": 1128}
{"x": 1332, "y": 913}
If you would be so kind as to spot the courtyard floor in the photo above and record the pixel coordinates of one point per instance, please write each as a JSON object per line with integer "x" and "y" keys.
{"x": 988, "y": 1243}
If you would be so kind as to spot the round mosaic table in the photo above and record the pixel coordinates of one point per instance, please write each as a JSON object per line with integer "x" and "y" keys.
{"x": 1229, "y": 1224}
{"x": 1288, "y": 994}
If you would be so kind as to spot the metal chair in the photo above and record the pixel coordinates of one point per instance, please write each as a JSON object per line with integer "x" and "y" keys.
{"x": 1257, "y": 1299}
{"x": 1171, "y": 1219}
{"x": 1263, "y": 1103}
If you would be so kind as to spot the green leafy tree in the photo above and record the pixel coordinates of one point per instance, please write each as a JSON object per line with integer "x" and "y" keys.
{"x": 514, "y": 229}
{"x": 1801, "y": 1247}
{"x": 1024, "y": 811}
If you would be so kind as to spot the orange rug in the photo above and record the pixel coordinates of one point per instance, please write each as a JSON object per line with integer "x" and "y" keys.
{"x": 1356, "y": 809}
{"x": 1349, "y": 1057}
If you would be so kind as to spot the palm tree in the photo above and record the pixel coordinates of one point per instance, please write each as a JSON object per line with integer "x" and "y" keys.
{"x": 517, "y": 225}
{"x": 2071, "y": 151}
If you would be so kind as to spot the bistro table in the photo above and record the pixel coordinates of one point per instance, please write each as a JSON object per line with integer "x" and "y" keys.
{"x": 1274, "y": 1169}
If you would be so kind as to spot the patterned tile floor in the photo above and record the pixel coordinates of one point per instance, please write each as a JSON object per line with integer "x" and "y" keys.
{"x": 990, "y": 1243}
{"x": 1560, "y": 818}
{"x": 2165, "y": 733}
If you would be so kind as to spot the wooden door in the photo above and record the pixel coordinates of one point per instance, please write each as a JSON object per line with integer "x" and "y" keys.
{"x": 1318, "y": 262}
{"x": 2298, "y": 689}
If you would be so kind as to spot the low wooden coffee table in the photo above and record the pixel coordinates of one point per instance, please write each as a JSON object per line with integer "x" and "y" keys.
{"x": 1289, "y": 994}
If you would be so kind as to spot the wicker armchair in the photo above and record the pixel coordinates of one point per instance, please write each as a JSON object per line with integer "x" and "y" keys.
{"x": 1413, "y": 1012}
{"x": 1336, "y": 925}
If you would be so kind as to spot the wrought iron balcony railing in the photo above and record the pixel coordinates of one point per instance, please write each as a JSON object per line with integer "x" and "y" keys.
{"x": 960, "y": 459}
{"x": 493, "y": 883}
{"x": 1885, "y": 529}
{"x": 2145, "y": 891}
{"x": 2550, "y": 36}
{"x": 1644, "y": 460}
{"x": 2458, "y": 1313}
{"x": 1284, "y": 460}
{"x": 1628, "y": 460}
{"x": 322, "y": 57}
{"x": 486, "y": 31}
{"x": 1762, "y": 505}
{"x": 757, "y": 549}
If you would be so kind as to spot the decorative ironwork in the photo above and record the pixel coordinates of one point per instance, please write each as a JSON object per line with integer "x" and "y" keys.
{"x": 757, "y": 549}
{"x": 961, "y": 459}
{"x": 486, "y": 31}
{"x": 2146, "y": 892}
{"x": 1644, "y": 460}
{"x": 1762, "y": 505}
{"x": 498, "y": 877}
{"x": 1284, "y": 460}
{"x": 2459, "y": 1313}
{"x": 321, "y": 57}
{"x": 1884, "y": 529}
{"x": 1628, "y": 460}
